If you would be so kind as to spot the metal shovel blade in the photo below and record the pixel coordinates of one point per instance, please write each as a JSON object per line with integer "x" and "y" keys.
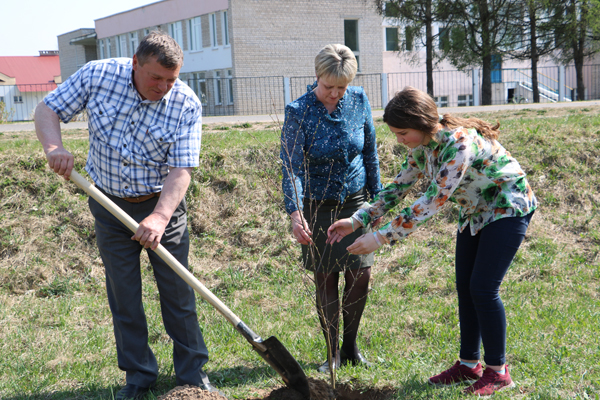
{"x": 279, "y": 358}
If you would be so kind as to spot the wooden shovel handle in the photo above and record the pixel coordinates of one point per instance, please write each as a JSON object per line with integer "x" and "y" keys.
{"x": 186, "y": 275}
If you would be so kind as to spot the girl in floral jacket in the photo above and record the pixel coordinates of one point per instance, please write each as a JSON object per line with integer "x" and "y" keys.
{"x": 466, "y": 165}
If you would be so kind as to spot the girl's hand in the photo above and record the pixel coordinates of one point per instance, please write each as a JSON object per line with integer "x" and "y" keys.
{"x": 341, "y": 228}
{"x": 300, "y": 228}
{"x": 375, "y": 223}
{"x": 365, "y": 244}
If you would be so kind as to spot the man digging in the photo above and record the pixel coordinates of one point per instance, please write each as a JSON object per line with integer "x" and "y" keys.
{"x": 145, "y": 129}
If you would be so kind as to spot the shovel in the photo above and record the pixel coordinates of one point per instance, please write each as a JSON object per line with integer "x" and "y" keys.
{"x": 271, "y": 349}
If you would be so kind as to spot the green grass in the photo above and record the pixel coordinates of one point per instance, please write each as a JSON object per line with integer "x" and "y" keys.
{"x": 56, "y": 338}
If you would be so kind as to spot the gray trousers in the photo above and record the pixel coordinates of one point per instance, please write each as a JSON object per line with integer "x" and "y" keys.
{"x": 121, "y": 257}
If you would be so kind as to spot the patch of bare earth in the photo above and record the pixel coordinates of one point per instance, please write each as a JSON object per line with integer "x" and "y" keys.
{"x": 319, "y": 390}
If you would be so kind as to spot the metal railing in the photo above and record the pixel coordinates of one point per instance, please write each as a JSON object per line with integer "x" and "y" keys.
{"x": 371, "y": 83}
{"x": 268, "y": 95}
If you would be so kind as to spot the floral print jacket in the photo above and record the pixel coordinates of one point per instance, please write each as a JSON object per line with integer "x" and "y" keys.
{"x": 478, "y": 174}
{"x": 328, "y": 156}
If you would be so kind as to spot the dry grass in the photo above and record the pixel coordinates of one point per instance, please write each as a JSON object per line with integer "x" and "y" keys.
{"x": 242, "y": 250}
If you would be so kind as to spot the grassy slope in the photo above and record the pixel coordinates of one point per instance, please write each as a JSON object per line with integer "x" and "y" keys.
{"x": 55, "y": 327}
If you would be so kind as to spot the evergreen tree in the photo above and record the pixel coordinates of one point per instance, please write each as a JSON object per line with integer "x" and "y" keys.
{"x": 577, "y": 24}
{"x": 481, "y": 31}
{"x": 418, "y": 17}
{"x": 535, "y": 36}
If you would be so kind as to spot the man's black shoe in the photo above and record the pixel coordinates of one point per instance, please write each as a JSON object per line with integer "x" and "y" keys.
{"x": 131, "y": 392}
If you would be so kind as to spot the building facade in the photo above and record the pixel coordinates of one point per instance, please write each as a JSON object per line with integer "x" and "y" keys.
{"x": 239, "y": 54}
{"x": 24, "y": 82}
{"x": 254, "y": 56}
{"x": 76, "y": 48}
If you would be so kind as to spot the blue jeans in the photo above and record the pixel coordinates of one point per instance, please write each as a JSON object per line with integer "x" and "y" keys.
{"x": 481, "y": 263}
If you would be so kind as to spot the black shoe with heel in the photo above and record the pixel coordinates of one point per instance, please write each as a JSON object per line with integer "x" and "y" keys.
{"x": 359, "y": 359}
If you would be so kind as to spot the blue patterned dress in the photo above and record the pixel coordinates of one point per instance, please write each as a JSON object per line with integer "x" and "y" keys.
{"x": 330, "y": 167}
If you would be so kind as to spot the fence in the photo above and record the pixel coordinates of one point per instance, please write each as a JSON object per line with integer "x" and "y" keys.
{"x": 19, "y": 101}
{"x": 268, "y": 95}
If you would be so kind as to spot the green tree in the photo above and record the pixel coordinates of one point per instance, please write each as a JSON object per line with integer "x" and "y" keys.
{"x": 577, "y": 25}
{"x": 535, "y": 36}
{"x": 418, "y": 17}
{"x": 481, "y": 30}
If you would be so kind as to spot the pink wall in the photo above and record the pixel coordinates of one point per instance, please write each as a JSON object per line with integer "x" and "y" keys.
{"x": 153, "y": 14}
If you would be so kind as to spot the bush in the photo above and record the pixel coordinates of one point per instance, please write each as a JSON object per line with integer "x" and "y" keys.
{"x": 5, "y": 113}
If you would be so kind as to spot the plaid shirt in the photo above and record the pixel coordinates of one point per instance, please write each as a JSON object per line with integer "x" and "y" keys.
{"x": 133, "y": 142}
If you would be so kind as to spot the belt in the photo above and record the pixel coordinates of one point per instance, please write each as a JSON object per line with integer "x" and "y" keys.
{"x": 141, "y": 198}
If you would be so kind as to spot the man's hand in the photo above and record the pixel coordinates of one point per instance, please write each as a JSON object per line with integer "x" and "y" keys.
{"x": 61, "y": 161}
{"x": 151, "y": 230}
{"x": 47, "y": 129}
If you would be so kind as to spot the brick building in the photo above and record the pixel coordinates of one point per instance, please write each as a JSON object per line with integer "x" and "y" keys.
{"x": 239, "y": 54}
{"x": 76, "y": 48}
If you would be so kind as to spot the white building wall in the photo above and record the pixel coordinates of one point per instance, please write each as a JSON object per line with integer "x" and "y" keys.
{"x": 155, "y": 14}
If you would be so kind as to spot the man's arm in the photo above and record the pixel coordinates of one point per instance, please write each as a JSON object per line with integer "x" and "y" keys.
{"x": 152, "y": 228}
{"x": 47, "y": 128}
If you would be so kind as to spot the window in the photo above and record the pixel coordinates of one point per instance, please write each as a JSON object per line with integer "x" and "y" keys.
{"x": 18, "y": 99}
{"x": 133, "y": 43}
{"x": 465, "y": 100}
{"x": 496, "y": 68}
{"x": 122, "y": 46}
{"x": 443, "y": 38}
{"x": 229, "y": 87}
{"x": 391, "y": 39}
{"x": 409, "y": 38}
{"x": 351, "y": 37}
{"x": 212, "y": 18}
{"x": 194, "y": 34}
{"x": 218, "y": 99}
{"x": 146, "y": 31}
{"x": 225, "y": 29}
{"x": 107, "y": 47}
{"x": 441, "y": 101}
{"x": 198, "y": 85}
{"x": 102, "y": 51}
{"x": 176, "y": 32}
{"x": 1, "y": 99}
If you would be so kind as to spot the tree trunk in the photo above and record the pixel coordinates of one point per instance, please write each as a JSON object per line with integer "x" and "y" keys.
{"x": 579, "y": 73}
{"x": 429, "y": 48}
{"x": 486, "y": 80}
{"x": 534, "y": 53}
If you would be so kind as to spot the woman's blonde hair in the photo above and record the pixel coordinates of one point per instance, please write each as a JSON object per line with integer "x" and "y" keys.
{"x": 414, "y": 109}
{"x": 336, "y": 61}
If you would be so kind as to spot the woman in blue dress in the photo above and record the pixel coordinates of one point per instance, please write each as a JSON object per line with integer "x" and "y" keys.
{"x": 330, "y": 169}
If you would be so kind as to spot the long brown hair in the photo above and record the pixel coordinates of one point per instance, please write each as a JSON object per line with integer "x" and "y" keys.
{"x": 414, "y": 109}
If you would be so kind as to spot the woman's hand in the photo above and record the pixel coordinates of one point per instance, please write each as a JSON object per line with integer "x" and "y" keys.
{"x": 300, "y": 228}
{"x": 365, "y": 244}
{"x": 341, "y": 228}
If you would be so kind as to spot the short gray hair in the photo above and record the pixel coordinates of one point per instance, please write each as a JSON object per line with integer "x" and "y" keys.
{"x": 336, "y": 61}
{"x": 162, "y": 46}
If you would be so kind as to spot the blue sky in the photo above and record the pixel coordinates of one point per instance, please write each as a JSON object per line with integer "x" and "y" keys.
{"x": 27, "y": 26}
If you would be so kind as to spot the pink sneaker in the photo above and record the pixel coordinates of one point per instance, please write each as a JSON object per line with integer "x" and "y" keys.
{"x": 490, "y": 383}
{"x": 457, "y": 374}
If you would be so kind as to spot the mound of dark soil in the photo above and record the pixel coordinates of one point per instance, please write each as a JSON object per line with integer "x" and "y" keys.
{"x": 319, "y": 390}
